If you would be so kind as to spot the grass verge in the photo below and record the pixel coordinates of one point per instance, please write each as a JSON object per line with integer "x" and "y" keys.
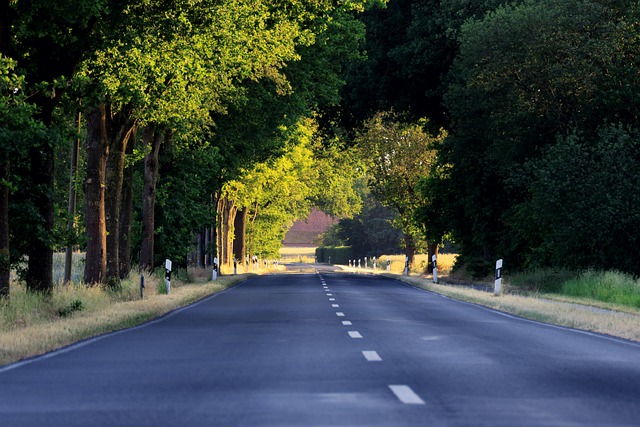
{"x": 32, "y": 324}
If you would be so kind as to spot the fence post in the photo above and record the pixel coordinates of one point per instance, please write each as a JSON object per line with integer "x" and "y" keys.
{"x": 435, "y": 269}
{"x": 167, "y": 275}
{"x": 498, "y": 282}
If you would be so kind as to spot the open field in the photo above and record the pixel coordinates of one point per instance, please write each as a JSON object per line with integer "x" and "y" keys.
{"x": 445, "y": 263}
{"x": 306, "y": 254}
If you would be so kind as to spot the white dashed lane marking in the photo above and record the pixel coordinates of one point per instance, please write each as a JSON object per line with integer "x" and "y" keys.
{"x": 339, "y": 314}
{"x": 354, "y": 334}
{"x": 335, "y": 305}
{"x": 332, "y": 299}
{"x": 372, "y": 356}
{"x": 347, "y": 323}
{"x": 406, "y": 395}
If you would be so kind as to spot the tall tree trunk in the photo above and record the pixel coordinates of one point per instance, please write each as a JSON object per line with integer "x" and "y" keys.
{"x": 226, "y": 215}
{"x": 5, "y": 264}
{"x": 410, "y": 249}
{"x": 40, "y": 250}
{"x": 7, "y": 15}
{"x": 153, "y": 139}
{"x": 198, "y": 255}
{"x": 240, "y": 235}
{"x": 120, "y": 129}
{"x": 95, "y": 268}
{"x": 126, "y": 214}
{"x": 231, "y": 221}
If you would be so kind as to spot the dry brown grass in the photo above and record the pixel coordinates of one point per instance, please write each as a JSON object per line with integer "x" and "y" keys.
{"x": 305, "y": 254}
{"x": 563, "y": 313}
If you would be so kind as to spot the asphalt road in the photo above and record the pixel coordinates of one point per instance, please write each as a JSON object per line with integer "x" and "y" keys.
{"x": 330, "y": 349}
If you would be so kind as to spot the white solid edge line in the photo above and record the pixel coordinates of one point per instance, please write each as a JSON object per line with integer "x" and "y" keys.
{"x": 354, "y": 334}
{"x": 372, "y": 356}
{"x": 406, "y": 395}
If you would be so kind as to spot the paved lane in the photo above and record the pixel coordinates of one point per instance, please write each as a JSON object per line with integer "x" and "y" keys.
{"x": 330, "y": 350}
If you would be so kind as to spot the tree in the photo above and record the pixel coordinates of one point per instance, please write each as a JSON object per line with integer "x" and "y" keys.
{"x": 540, "y": 69}
{"x": 399, "y": 154}
{"x": 18, "y": 128}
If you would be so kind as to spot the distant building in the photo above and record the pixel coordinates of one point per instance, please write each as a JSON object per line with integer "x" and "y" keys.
{"x": 307, "y": 232}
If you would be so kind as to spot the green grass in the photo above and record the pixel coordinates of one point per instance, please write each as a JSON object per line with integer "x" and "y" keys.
{"x": 607, "y": 286}
{"x": 543, "y": 280}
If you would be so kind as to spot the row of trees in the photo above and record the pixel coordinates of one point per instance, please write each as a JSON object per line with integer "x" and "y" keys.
{"x": 539, "y": 98}
{"x": 509, "y": 126}
{"x": 178, "y": 99}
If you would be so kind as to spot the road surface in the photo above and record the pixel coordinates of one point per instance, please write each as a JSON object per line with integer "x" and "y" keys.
{"x": 330, "y": 349}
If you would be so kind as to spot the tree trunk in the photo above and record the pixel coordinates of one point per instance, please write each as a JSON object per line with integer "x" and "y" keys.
{"x": 5, "y": 261}
{"x": 240, "y": 233}
{"x": 410, "y": 249}
{"x": 126, "y": 214}
{"x": 226, "y": 213}
{"x": 120, "y": 129}
{"x": 7, "y": 15}
{"x": 153, "y": 139}
{"x": 96, "y": 259}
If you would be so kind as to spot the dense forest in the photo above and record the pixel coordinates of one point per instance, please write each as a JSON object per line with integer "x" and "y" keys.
{"x": 141, "y": 130}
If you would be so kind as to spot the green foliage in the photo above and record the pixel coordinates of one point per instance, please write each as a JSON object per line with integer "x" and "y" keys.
{"x": 75, "y": 305}
{"x": 526, "y": 75}
{"x": 582, "y": 202}
{"x": 335, "y": 255}
{"x": 398, "y": 154}
{"x": 611, "y": 286}
{"x": 183, "y": 200}
{"x": 370, "y": 232}
{"x": 542, "y": 280}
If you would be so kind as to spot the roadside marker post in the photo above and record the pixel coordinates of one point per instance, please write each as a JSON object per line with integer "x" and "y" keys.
{"x": 167, "y": 275}
{"x": 366, "y": 266}
{"x": 406, "y": 266}
{"x": 235, "y": 266}
{"x": 434, "y": 259}
{"x": 498, "y": 282}
{"x": 374, "y": 264}
{"x": 141, "y": 286}
{"x": 214, "y": 272}
{"x": 388, "y": 265}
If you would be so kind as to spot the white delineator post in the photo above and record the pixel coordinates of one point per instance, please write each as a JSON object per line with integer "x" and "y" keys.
{"x": 214, "y": 272}
{"x": 406, "y": 266}
{"x": 435, "y": 269}
{"x": 498, "y": 282}
{"x": 167, "y": 275}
